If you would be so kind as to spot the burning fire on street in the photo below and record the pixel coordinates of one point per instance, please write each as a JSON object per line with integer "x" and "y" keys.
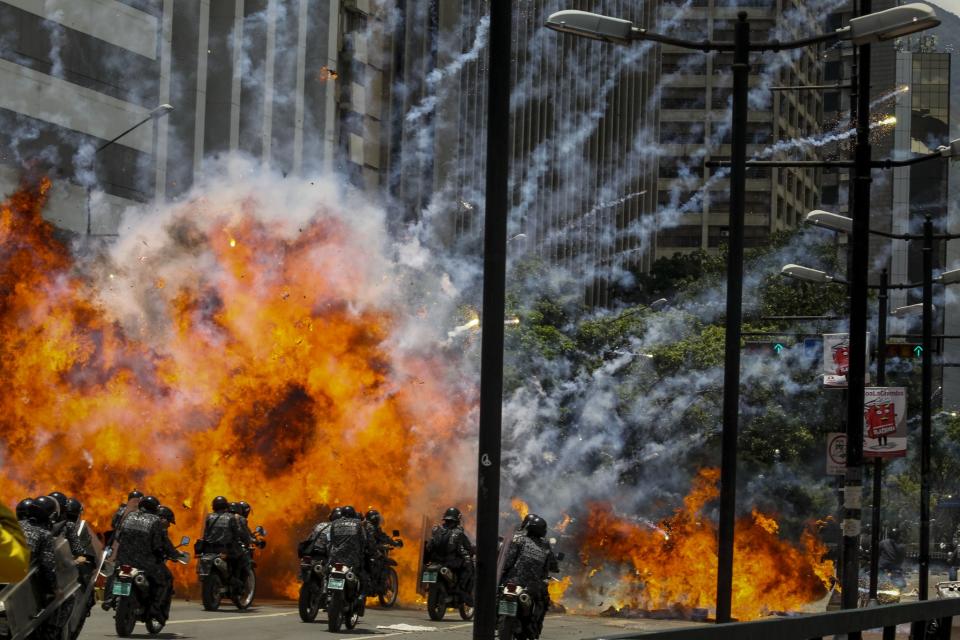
{"x": 231, "y": 347}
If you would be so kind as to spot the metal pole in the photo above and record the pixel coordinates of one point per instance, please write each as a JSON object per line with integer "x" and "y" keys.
{"x": 491, "y": 348}
{"x": 859, "y": 262}
{"x": 927, "y": 391}
{"x": 878, "y": 462}
{"x": 731, "y": 370}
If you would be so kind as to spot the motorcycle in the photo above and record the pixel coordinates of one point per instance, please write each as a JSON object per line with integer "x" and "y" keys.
{"x": 443, "y": 592}
{"x": 388, "y": 584}
{"x": 519, "y": 613}
{"x": 218, "y": 577}
{"x": 313, "y": 590}
{"x": 345, "y": 603}
{"x": 131, "y": 587}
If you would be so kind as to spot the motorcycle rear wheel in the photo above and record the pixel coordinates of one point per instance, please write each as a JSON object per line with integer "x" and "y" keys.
{"x": 125, "y": 618}
{"x": 309, "y": 601}
{"x": 335, "y": 613}
{"x": 211, "y": 592}
{"x": 437, "y": 602}
{"x": 352, "y": 619}
{"x": 466, "y": 611}
{"x": 244, "y": 600}
{"x": 506, "y": 628}
{"x": 154, "y": 626}
{"x": 389, "y": 596}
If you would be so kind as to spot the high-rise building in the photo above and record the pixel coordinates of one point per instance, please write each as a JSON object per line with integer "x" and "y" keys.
{"x": 579, "y": 184}
{"x": 695, "y": 113}
{"x": 255, "y": 76}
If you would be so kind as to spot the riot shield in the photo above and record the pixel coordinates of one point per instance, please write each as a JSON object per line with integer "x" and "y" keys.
{"x": 93, "y": 548}
{"x": 425, "y": 530}
{"x": 22, "y": 603}
{"x": 107, "y": 567}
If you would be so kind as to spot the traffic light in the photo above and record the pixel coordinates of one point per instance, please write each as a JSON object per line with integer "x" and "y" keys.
{"x": 904, "y": 351}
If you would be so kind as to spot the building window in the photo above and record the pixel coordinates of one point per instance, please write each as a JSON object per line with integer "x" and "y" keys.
{"x": 831, "y": 71}
{"x": 683, "y": 236}
{"x": 830, "y": 194}
{"x": 831, "y": 101}
{"x": 687, "y": 64}
{"x": 681, "y": 133}
{"x": 757, "y": 202}
{"x": 683, "y": 98}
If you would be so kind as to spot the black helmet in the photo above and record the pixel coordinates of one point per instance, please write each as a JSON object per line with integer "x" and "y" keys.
{"x": 373, "y": 517}
{"x": 220, "y": 503}
{"x": 348, "y": 512}
{"x": 149, "y": 504}
{"x": 166, "y": 513}
{"x": 73, "y": 509}
{"x": 537, "y": 527}
{"x": 134, "y": 495}
{"x": 60, "y": 498}
{"x": 526, "y": 521}
{"x": 23, "y": 508}
{"x": 245, "y": 509}
{"x": 336, "y": 514}
{"x": 234, "y": 507}
{"x": 45, "y": 510}
{"x": 452, "y": 515}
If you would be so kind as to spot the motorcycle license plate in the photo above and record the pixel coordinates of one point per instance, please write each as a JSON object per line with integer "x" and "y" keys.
{"x": 335, "y": 583}
{"x": 507, "y": 608}
{"x": 121, "y": 588}
{"x": 429, "y": 577}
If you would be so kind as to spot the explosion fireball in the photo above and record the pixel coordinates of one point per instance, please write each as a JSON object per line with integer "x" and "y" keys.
{"x": 254, "y": 341}
{"x": 232, "y": 345}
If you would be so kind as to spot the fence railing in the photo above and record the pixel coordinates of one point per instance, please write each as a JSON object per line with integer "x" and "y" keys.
{"x": 930, "y": 620}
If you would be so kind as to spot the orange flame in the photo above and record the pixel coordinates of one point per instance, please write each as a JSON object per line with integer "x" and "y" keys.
{"x": 520, "y": 507}
{"x": 260, "y": 379}
{"x": 679, "y": 569}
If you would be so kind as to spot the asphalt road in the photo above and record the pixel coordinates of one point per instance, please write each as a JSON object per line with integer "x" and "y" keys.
{"x": 280, "y": 620}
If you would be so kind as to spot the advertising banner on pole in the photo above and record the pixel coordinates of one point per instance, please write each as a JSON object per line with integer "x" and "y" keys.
{"x": 884, "y": 422}
{"x": 836, "y": 360}
{"x": 836, "y": 454}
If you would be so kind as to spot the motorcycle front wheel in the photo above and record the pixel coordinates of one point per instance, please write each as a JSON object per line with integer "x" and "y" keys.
{"x": 244, "y": 600}
{"x": 506, "y": 628}
{"x": 389, "y": 596}
{"x": 125, "y": 618}
{"x": 211, "y": 592}
{"x": 309, "y": 601}
{"x": 335, "y": 612}
{"x": 437, "y": 602}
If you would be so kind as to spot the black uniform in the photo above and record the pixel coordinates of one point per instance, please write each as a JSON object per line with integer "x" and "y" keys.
{"x": 349, "y": 545}
{"x": 892, "y": 554}
{"x": 317, "y": 543}
{"x": 376, "y": 540}
{"x": 528, "y": 563}
{"x": 40, "y": 541}
{"x": 222, "y": 534}
{"x": 450, "y": 546}
{"x": 140, "y": 541}
{"x": 166, "y": 592}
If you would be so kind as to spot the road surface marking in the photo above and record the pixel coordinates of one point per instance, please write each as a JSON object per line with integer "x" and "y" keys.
{"x": 246, "y": 617}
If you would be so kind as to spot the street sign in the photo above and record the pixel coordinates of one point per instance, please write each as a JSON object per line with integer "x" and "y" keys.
{"x": 778, "y": 348}
{"x": 884, "y": 422}
{"x": 836, "y": 360}
{"x": 918, "y": 350}
{"x": 836, "y": 454}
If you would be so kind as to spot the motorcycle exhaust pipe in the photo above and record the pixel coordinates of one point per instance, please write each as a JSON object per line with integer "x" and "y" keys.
{"x": 318, "y": 569}
{"x": 140, "y": 581}
{"x": 351, "y": 577}
{"x": 219, "y": 563}
{"x": 525, "y": 600}
{"x": 446, "y": 573}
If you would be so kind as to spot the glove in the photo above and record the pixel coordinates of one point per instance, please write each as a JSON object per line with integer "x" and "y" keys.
{"x": 398, "y": 543}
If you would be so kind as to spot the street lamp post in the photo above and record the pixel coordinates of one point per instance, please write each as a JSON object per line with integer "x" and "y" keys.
{"x": 878, "y": 462}
{"x": 884, "y": 25}
{"x": 491, "y": 347}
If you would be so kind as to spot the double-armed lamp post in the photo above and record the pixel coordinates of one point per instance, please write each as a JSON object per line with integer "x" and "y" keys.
{"x": 877, "y": 27}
